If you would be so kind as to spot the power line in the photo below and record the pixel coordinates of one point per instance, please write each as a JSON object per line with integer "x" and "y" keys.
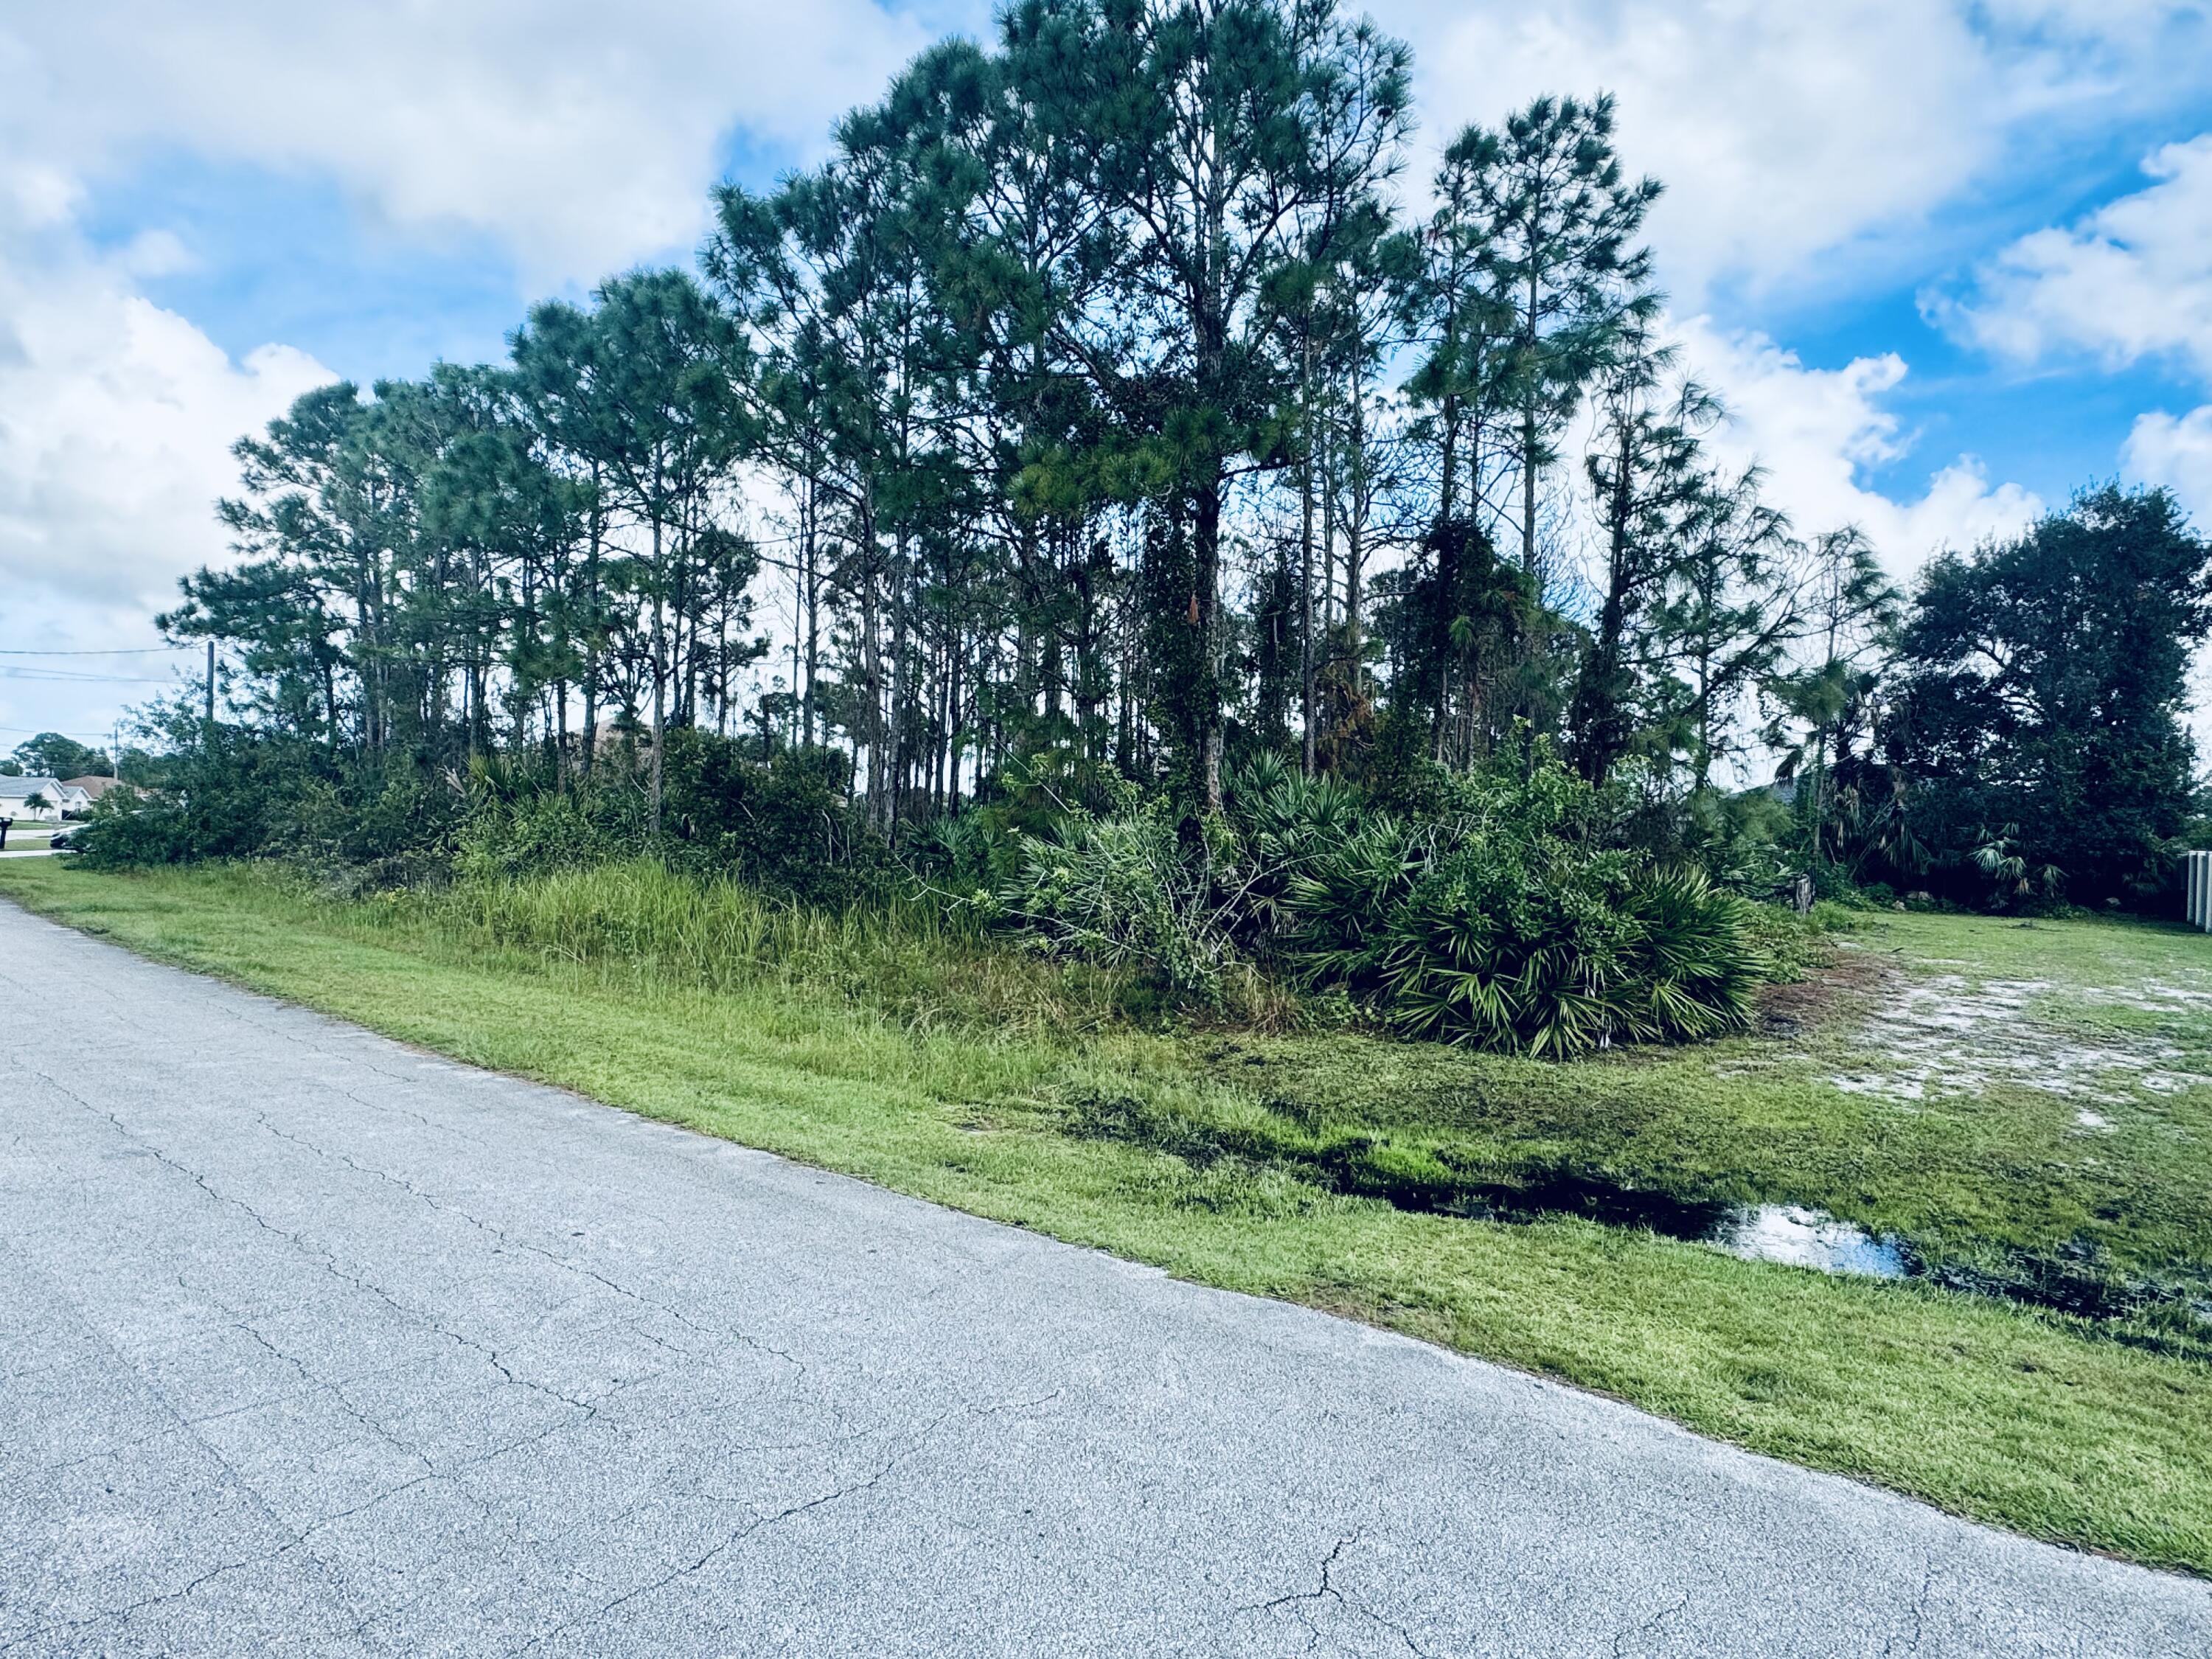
{"x": 51, "y": 676}
{"x": 134, "y": 651}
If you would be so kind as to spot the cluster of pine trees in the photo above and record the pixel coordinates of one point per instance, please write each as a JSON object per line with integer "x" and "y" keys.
{"x": 1098, "y": 391}
{"x": 1109, "y": 390}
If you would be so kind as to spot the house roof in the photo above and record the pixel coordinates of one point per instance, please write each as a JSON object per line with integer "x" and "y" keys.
{"x": 95, "y": 786}
{"x": 24, "y": 789}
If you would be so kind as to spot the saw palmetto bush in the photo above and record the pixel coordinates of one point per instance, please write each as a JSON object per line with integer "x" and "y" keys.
{"x": 1281, "y": 819}
{"x": 1495, "y": 921}
{"x": 1552, "y": 955}
{"x": 1496, "y": 915}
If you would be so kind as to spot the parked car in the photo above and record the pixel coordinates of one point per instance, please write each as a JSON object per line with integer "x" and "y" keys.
{"x": 64, "y": 841}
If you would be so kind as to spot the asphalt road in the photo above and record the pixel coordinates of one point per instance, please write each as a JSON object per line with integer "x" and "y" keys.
{"x": 314, "y": 1344}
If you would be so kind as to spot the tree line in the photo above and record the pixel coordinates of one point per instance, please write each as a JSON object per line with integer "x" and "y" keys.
{"x": 1111, "y": 391}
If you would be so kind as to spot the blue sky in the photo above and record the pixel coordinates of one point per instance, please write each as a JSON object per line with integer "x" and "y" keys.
{"x": 1914, "y": 242}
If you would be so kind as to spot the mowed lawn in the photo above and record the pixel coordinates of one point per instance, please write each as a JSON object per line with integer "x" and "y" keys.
{"x": 2001, "y": 1097}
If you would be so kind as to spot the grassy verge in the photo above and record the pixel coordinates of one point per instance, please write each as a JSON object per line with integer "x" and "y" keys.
{"x": 980, "y": 1086}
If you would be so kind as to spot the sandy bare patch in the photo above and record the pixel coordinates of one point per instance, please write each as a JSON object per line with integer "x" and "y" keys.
{"x": 1950, "y": 1035}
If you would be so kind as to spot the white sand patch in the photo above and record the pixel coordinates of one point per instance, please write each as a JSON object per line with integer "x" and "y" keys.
{"x": 2172, "y": 1083}
{"x": 2152, "y": 996}
{"x": 1954, "y": 1036}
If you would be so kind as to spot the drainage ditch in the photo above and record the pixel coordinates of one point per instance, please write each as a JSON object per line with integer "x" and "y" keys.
{"x": 2170, "y": 1314}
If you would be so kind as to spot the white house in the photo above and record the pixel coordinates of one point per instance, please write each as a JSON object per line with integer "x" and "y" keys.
{"x": 54, "y": 797}
{"x": 94, "y": 784}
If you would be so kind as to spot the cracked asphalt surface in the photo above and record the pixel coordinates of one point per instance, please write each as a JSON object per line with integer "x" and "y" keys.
{"x": 314, "y": 1344}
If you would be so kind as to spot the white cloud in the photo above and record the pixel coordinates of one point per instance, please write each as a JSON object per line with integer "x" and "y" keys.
{"x": 581, "y": 135}
{"x": 1816, "y": 431}
{"x": 2176, "y": 452}
{"x": 1787, "y": 133}
{"x": 2131, "y": 281}
{"x": 116, "y": 419}
{"x": 578, "y": 136}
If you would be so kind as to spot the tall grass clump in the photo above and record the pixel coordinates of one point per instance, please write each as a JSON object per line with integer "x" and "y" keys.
{"x": 636, "y": 913}
{"x": 922, "y": 962}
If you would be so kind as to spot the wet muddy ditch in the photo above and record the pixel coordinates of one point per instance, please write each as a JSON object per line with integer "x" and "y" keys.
{"x": 2171, "y": 1314}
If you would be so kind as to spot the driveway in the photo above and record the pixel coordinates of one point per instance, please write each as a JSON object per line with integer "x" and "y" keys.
{"x": 314, "y": 1344}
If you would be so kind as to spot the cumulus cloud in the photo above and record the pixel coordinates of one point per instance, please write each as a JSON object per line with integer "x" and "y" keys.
{"x": 2131, "y": 281}
{"x": 581, "y": 135}
{"x": 115, "y": 418}
{"x": 1817, "y": 432}
{"x": 1788, "y": 133}
{"x": 577, "y": 137}
{"x": 2176, "y": 452}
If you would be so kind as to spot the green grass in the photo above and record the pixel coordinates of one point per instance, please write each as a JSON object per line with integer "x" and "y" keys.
{"x": 913, "y": 1054}
{"x": 1967, "y": 1161}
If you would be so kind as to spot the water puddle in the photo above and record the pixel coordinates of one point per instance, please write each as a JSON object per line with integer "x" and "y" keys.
{"x": 1787, "y": 1233}
{"x": 1806, "y": 1238}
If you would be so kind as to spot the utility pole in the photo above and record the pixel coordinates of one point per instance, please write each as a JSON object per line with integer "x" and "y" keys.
{"x": 210, "y": 685}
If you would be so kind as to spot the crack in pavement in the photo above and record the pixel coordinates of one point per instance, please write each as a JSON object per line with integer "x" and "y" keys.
{"x": 1919, "y": 1612}
{"x": 737, "y": 1538}
{"x": 322, "y": 1256}
{"x": 493, "y": 1230}
{"x": 1327, "y": 1590}
{"x": 1621, "y": 1638}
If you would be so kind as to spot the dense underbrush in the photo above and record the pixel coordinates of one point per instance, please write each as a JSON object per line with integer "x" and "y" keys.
{"x": 1513, "y": 907}
{"x": 1494, "y": 910}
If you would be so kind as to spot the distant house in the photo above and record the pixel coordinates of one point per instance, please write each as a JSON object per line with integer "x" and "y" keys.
{"x": 54, "y": 799}
{"x": 94, "y": 788}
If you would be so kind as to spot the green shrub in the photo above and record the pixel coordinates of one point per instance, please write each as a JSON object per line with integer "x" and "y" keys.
{"x": 787, "y": 825}
{"x": 1531, "y": 944}
{"x": 127, "y": 833}
{"x": 539, "y": 831}
{"x": 1124, "y": 891}
{"x": 1494, "y": 916}
{"x": 1492, "y": 913}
